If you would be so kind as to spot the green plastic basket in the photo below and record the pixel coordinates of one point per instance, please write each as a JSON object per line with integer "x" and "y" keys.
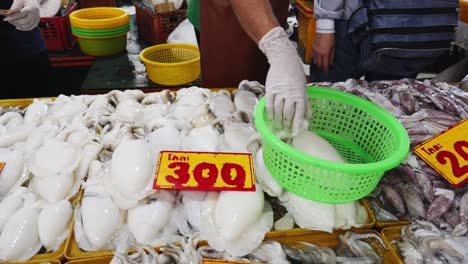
{"x": 103, "y": 46}
{"x": 371, "y": 140}
{"x": 100, "y": 32}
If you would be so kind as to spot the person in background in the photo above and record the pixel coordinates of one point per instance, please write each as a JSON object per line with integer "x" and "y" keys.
{"x": 239, "y": 38}
{"x": 24, "y": 59}
{"x": 380, "y": 40}
{"x": 334, "y": 55}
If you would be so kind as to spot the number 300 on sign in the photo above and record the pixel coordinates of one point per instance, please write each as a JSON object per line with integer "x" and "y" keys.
{"x": 205, "y": 171}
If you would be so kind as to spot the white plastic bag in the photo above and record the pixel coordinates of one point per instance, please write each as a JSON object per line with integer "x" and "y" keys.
{"x": 183, "y": 33}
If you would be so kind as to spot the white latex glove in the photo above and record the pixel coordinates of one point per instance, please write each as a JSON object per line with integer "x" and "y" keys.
{"x": 286, "y": 99}
{"x": 27, "y": 18}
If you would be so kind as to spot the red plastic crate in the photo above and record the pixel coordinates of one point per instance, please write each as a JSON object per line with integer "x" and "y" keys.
{"x": 155, "y": 28}
{"x": 96, "y": 3}
{"x": 57, "y": 31}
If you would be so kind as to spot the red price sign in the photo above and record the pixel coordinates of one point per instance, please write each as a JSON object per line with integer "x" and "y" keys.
{"x": 218, "y": 261}
{"x": 205, "y": 171}
{"x": 2, "y": 165}
{"x": 447, "y": 153}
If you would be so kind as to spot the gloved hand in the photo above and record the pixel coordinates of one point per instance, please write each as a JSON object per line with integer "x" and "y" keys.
{"x": 27, "y": 18}
{"x": 286, "y": 99}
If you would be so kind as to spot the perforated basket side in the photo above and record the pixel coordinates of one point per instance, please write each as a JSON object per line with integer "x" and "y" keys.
{"x": 172, "y": 64}
{"x": 104, "y": 46}
{"x": 367, "y": 136}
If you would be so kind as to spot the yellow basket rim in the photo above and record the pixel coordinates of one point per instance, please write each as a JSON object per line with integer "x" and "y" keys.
{"x": 100, "y": 38}
{"x": 170, "y": 45}
{"x": 101, "y": 22}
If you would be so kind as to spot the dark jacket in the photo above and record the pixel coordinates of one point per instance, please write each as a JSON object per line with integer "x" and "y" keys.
{"x": 16, "y": 44}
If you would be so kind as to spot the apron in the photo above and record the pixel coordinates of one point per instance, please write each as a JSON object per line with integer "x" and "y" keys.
{"x": 228, "y": 54}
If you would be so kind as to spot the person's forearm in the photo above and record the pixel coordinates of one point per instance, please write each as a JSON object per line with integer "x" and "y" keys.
{"x": 256, "y": 17}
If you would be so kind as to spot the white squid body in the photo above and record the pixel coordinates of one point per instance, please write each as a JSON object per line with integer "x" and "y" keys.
{"x": 204, "y": 138}
{"x": 55, "y": 181}
{"x": 235, "y": 221}
{"x": 19, "y": 240}
{"x": 99, "y": 110}
{"x": 221, "y": 104}
{"x": 100, "y": 219}
{"x": 132, "y": 168}
{"x": 192, "y": 96}
{"x": 76, "y": 133}
{"x": 165, "y": 138}
{"x": 309, "y": 214}
{"x": 11, "y": 120}
{"x": 236, "y": 137}
{"x": 191, "y": 208}
{"x": 8, "y": 206}
{"x": 314, "y": 145}
{"x": 15, "y": 134}
{"x": 13, "y": 171}
{"x": 264, "y": 178}
{"x": 245, "y": 102}
{"x": 53, "y": 225}
{"x": 147, "y": 222}
{"x": 128, "y": 110}
{"x": 64, "y": 110}
{"x": 350, "y": 214}
{"x": 155, "y": 111}
{"x": 89, "y": 154}
{"x": 189, "y": 103}
{"x": 55, "y": 188}
{"x": 42, "y": 133}
{"x": 65, "y": 157}
{"x": 36, "y": 112}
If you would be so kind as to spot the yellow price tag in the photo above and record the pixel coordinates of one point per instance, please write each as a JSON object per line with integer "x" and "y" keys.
{"x": 2, "y": 165}
{"x": 206, "y": 171}
{"x": 447, "y": 153}
{"x": 217, "y": 261}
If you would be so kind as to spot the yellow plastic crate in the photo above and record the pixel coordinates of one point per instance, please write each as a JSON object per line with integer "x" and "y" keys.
{"x": 97, "y": 260}
{"x": 393, "y": 233}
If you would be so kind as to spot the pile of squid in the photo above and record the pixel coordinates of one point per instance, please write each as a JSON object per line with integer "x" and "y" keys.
{"x": 423, "y": 242}
{"x": 424, "y": 108}
{"x": 351, "y": 247}
{"x": 108, "y": 146}
{"x": 414, "y": 190}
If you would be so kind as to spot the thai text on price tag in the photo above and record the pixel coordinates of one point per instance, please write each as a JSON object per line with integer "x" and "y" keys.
{"x": 218, "y": 261}
{"x": 447, "y": 153}
{"x": 2, "y": 165}
{"x": 206, "y": 171}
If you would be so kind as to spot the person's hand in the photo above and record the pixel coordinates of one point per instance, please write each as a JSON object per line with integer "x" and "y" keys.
{"x": 323, "y": 53}
{"x": 286, "y": 99}
{"x": 27, "y": 18}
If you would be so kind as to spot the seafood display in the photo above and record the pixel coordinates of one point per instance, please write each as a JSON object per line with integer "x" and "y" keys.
{"x": 350, "y": 247}
{"x": 107, "y": 145}
{"x": 414, "y": 190}
{"x": 423, "y": 242}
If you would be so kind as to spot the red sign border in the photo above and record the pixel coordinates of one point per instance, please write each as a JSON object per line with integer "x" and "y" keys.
{"x": 252, "y": 172}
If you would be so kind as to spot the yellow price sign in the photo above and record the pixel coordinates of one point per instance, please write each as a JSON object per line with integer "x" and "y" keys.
{"x": 2, "y": 165}
{"x": 206, "y": 171}
{"x": 447, "y": 153}
{"x": 218, "y": 261}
